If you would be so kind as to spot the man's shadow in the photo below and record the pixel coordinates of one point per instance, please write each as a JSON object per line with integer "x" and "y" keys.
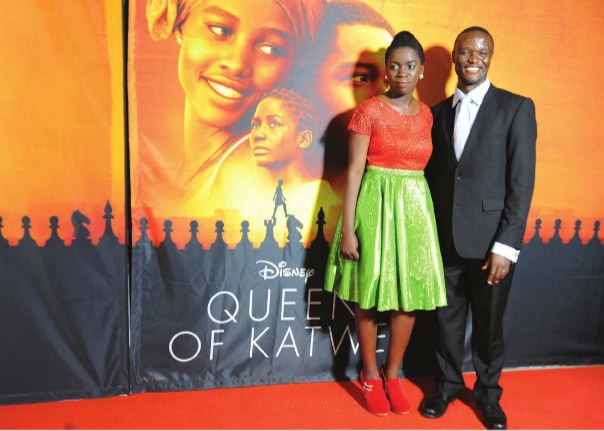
{"x": 420, "y": 360}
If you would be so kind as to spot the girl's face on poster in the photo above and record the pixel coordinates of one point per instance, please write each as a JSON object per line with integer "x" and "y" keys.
{"x": 232, "y": 51}
{"x": 275, "y": 138}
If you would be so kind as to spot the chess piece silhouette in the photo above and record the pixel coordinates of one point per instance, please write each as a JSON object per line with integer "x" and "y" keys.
{"x": 320, "y": 240}
{"x": 269, "y": 244}
{"x": 555, "y": 239}
{"x": 81, "y": 234}
{"x": 595, "y": 240}
{"x": 168, "y": 243}
{"x": 54, "y": 240}
{"x": 108, "y": 239}
{"x": 294, "y": 244}
{"x": 576, "y": 239}
{"x": 536, "y": 239}
{"x": 27, "y": 240}
{"x": 245, "y": 243}
{"x": 319, "y": 248}
{"x": 293, "y": 229}
{"x": 194, "y": 245}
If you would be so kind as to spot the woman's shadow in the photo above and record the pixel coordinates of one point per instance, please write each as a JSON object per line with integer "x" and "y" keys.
{"x": 420, "y": 361}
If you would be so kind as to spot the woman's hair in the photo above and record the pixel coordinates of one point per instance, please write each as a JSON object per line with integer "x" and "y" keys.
{"x": 405, "y": 39}
{"x": 165, "y": 16}
{"x": 302, "y": 109}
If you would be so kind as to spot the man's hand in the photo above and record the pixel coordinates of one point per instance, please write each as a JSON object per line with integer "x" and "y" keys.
{"x": 498, "y": 267}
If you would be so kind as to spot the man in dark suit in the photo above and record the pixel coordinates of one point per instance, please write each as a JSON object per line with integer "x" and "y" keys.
{"x": 481, "y": 176}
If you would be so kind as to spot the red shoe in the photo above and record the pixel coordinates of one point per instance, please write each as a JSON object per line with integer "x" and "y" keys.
{"x": 373, "y": 391}
{"x": 399, "y": 403}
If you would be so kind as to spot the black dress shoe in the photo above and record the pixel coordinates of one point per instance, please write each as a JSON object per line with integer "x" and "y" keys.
{"x": 435, "y": 405}
{"x": 493, "y": 416}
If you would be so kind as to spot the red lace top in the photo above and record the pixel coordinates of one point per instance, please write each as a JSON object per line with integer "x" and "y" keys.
{"x": 397, "y": 141}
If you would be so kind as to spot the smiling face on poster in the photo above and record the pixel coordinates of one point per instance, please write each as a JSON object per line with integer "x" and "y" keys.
{"x": 331, "y": 53}
{"x": 230, "y": 54}
{"x": 229, "y": 58}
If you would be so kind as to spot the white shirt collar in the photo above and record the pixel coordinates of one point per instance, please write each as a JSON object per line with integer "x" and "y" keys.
{"x": 477, "y": 94}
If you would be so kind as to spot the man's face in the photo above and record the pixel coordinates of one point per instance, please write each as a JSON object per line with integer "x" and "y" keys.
{"x": 354, "y": 70}
{"x": 472, "y": 57}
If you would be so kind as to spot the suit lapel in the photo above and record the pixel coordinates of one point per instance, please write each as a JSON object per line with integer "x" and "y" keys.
{"x": 448, "y": 116}
{"x": 482, "y": 119}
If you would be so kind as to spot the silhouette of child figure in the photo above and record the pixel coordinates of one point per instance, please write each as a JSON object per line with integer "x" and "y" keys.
{"x": 279, "y": 199}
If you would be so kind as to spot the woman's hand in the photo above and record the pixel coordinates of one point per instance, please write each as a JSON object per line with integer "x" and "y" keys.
{"x": 349, "y": 247}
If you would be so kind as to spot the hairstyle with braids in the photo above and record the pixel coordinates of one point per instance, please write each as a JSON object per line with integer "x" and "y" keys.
{"x": 302, "y": 109}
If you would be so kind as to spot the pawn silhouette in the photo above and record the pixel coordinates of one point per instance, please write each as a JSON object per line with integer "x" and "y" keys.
{"x": 556, "y": 240}
{"x": 536, "y": 239}
{"x": 26, "y": 240}
{"x": 576, "y": 239}
{"x": 168, "y": 243}
{"x": 595, "y": 240}
{"x": 54, "y": 240}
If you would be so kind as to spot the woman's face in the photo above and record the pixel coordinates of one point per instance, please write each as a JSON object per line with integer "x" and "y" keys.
{"x": 275, "y": 138}
{"x": 403, "y": 69}
{"x": 232, "y": 52}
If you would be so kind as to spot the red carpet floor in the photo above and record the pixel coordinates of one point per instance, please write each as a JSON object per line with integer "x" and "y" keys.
{"x": 566, "y": 398}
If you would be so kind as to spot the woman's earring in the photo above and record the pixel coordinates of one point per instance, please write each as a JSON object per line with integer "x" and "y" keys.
{"x": 179, "y": 40}
{"x": 421, "y": 76}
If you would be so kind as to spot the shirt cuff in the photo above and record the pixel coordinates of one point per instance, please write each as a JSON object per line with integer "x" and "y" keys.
{"x": 505, "y": 251}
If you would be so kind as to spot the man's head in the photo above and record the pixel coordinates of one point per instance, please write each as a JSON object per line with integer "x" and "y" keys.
{"x": 472, "y": 53}
{"x": 347, "y": 65}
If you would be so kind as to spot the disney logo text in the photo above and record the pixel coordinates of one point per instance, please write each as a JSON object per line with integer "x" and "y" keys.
{"x": 271, "y": 270}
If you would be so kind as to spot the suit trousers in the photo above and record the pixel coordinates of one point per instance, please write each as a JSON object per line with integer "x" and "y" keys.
{"x": 467, "y": 288}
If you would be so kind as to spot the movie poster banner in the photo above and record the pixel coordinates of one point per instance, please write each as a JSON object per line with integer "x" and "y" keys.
{"x": 63, "y": 261}
{"x": 238, "y": 135}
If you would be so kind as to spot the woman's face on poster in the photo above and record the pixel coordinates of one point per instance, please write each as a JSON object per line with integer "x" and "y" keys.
{"x": 233, "y": 51}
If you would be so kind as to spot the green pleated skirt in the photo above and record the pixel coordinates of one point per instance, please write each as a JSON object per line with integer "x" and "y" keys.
{"x": 400, "y": 265}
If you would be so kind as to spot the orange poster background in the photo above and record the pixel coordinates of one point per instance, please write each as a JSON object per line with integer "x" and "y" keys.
{"x": 61, "y": 111}
{"x": 543, "y": 50}
{"x": 61, "y": 116}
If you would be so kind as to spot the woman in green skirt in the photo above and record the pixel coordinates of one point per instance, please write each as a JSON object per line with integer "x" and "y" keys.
{"x": 385, "y": 254}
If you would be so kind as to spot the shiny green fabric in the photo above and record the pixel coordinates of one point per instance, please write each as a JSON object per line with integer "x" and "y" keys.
{"x": 400, "y": 265}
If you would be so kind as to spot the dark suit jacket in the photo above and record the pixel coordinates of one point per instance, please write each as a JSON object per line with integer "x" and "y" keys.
{"x": 485, "y": 197}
